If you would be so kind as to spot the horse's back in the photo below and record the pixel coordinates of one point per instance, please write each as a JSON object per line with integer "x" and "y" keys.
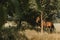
{"x": 49, "y": 24}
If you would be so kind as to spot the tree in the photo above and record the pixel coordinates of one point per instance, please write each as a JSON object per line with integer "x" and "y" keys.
{"x": 3, "y": 12}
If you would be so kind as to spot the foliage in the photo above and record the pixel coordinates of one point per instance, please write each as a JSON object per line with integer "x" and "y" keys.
{"x": 24, "y": 10}
{"x": 3, "y": 11}
{"x": 11, "y": 34}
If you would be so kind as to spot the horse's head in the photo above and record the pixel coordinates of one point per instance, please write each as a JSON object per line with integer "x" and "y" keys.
{"x": 38, "y": 19}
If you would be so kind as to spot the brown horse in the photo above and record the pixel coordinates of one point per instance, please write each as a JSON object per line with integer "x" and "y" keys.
{"x": 47, "y": 25}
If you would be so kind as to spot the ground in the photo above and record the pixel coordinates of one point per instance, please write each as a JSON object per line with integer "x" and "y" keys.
{"x": 33, "y": 35}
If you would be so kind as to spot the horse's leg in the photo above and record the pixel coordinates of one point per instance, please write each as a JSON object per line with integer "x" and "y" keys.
{"x": 52, "y": 29}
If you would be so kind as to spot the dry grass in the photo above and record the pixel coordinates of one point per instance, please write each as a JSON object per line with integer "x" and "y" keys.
{"x": 28, "y": 35}
{"x": 33, "y": 35}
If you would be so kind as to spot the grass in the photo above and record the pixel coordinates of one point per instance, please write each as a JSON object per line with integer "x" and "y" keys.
{"x": 27, "y": 35}
{"x": 33, "y": 35}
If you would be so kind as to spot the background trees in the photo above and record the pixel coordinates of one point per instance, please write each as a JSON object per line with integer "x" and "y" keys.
{"x": 19, "y": 9}
{"x": 3, "y": 12}
{"x": 25, "y": 10}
